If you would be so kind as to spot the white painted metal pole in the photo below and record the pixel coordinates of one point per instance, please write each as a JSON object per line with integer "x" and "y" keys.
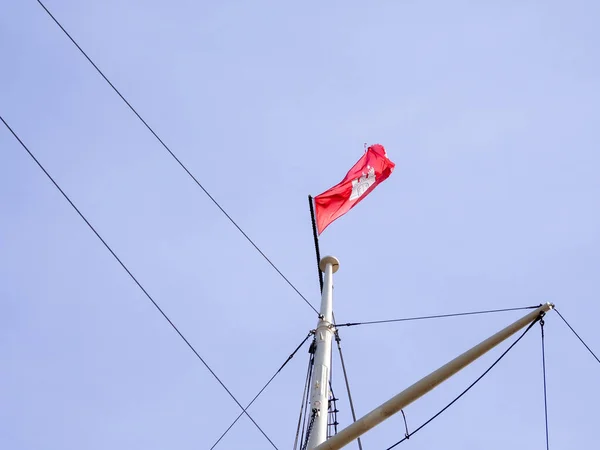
{"x": 426, "y": 384}
{"x": 319, "y": 395}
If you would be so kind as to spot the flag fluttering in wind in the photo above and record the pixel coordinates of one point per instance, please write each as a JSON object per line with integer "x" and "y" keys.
{"x": 368, "y": 172}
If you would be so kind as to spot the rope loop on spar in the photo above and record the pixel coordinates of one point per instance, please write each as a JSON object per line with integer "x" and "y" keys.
{"x": 406, "y": 434}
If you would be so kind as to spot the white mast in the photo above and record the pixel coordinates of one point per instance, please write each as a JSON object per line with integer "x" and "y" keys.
{"x": 319, "y": 395}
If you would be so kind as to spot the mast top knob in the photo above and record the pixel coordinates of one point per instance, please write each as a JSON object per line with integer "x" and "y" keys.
{"x": 335, "y": 263}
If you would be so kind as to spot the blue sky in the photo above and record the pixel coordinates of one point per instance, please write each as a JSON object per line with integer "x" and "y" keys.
{"x": 490, "y": 114}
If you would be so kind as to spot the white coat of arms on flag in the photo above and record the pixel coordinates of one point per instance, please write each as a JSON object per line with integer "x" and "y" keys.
{"x": 360, "y": 185}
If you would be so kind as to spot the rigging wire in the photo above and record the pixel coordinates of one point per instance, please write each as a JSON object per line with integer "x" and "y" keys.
{"x": 134, "y": 278}
{"x": 338, "y": 340}
{"x": 302, "y": 403}
{"x": 331, "y": 403}
{"x": 575, "y": 333}
{"x": 545, "y": 392}
{"x": 305, "y": 396}
{"x": 262, "y": 390}
{"x": 183, "y": 166}
{"x": 332, "y": 422}
{"x": 437, "y": 316}
{"x": 468, "y": 388}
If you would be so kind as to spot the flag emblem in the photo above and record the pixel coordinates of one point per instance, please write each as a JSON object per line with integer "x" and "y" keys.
{"x": 360, "y": 185}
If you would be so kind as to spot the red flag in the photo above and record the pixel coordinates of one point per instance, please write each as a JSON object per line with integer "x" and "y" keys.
{"x": 368, "y": 172}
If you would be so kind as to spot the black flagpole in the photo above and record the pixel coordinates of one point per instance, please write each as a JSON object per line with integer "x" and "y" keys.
{"x": 316, "y": 238}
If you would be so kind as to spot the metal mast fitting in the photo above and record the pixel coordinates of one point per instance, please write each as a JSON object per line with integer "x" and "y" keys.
{"x": 423, "y": 386}
{"x": 319, "y": 395}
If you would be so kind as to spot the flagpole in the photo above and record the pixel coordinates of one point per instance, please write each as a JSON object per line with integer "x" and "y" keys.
{"x": 316, "y": 238}
{"x": 319, "y": 384}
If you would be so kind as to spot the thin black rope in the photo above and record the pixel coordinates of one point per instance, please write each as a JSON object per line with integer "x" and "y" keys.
{"x": 305, "y": 395}
{"x": 467, "y": 389}
{"x": 406, "y": 433}
{"x": 302, "y": 403}
{"x": 437, "y": 316}
{"x": 545, "y": 391}
{"x": 338, "y": 340}
{"x": 133, "y": 277}
{"x": 166, "y": 147}
{"x": 578, "y": 337}
{"x": 262, "y": 390}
